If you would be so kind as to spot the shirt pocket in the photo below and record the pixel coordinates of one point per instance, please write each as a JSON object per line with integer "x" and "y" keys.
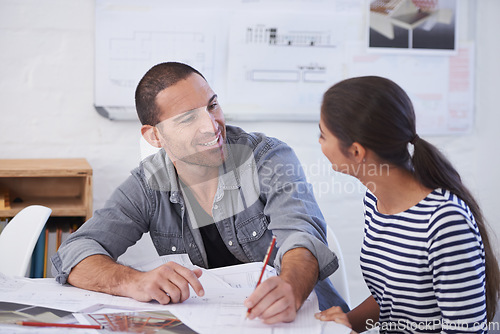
{"x": 168, "y": 243}
{"x": 254, "y": 237}
{"x": 251, "y": 229}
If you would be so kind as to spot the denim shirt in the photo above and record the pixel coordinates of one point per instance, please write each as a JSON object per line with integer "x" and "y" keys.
{"x": 262, "y": 190}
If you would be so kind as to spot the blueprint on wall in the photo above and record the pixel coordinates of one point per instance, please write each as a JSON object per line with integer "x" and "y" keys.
{"x": 279, "y": 66}
{"x": 288, "y": 73}
{"x": 271, "y": 59}
{"x": 132, "y": 36}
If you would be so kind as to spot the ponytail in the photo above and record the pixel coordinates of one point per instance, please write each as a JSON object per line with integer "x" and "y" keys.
{"x": 433, "y": 170}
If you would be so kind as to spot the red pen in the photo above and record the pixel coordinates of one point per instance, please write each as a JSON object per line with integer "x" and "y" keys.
{"x": 266, "y": 260}
{"x": 48, "y": 324}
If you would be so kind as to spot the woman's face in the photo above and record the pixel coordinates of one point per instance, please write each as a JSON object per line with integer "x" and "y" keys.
{"x": 331, "y": 148}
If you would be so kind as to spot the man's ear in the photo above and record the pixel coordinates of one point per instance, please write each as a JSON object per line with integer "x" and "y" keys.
{"x": 357, "y": 152}
{"x": 150, "y": 134}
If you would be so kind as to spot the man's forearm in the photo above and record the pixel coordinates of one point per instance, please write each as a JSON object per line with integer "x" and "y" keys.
{"x": 100, "y": 273}
{"x": 300, "y": 269}
{"x": 169, "y": 283}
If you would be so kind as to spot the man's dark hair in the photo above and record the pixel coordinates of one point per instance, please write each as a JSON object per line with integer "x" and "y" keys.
{"x": 154, "y": 81}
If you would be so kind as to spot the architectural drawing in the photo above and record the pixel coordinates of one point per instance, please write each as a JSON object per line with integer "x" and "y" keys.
{"x": 287, "y": 61}
{"x": 130, "y": 57}
{"x": 131, "y": 37}
{"x": 260, "y": 33}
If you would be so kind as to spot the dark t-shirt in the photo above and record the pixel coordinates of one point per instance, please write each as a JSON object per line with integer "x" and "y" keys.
{"x": 217, "y": 253}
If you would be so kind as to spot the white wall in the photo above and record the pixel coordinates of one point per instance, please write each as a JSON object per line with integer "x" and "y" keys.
{"x": 46, "y": 110}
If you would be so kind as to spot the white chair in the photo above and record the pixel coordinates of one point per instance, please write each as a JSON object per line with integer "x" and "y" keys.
{"x": 339, "y": 277}
{"x": 19, "y": 237}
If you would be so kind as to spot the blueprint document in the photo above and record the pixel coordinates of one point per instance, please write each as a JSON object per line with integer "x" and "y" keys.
{"x": 220, "y": 309}
{"x": 243, "y": 276}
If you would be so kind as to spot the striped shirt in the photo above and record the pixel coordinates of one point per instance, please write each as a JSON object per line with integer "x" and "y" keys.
{"x": 425, "y": 266}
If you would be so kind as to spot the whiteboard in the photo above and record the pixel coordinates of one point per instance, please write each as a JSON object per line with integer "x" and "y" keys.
{"x": 272, "y": 60}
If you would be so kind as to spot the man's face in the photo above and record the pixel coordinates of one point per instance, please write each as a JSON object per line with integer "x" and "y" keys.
{"x": 192, "y": 127}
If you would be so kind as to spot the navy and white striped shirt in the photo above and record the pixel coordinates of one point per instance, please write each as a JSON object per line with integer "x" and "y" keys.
{"x": 425, "y": 266}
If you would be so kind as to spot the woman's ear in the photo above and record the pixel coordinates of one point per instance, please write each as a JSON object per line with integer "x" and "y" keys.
{"x": 150, "y": 134}
{"x": 357, "y": 152}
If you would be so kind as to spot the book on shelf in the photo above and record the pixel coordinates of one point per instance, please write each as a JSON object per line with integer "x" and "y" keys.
{"x": 55, "y": 232}
{"x": 37, "y": 257}
{"x": 50, "y": 249}
{"x": 45, "y": 251}
{"x": 3, "y": 223}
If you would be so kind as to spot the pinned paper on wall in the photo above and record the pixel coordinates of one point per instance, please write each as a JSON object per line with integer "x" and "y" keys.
{"x": 271, "y": 62}
{"x": 279, "y": 66}
{"x": 133, "y": 36}
{"x": 413, "y": 26}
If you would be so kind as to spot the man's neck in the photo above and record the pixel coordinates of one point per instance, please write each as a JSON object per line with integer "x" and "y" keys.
{"x": 202, "y": 181}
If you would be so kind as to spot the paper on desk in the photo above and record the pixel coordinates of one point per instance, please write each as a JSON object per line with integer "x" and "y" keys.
{"x": 16, "y": 329}
{"x": 221, "y": 309}
{"x": 243, "y": 275}
{"x": 148, "y": 265}
{"x": 333, "y": 327}
{"x": 47, "y": 292}
{"x": 206, "y": 280}
{"x": 228, "y": 315}
{"x": 238, "y": 276}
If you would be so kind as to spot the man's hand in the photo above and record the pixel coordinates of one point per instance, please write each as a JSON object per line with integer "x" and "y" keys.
{"x": 168, "y": 283}
{"x": 277, "y": 299}
{"x": 273, "y": 301}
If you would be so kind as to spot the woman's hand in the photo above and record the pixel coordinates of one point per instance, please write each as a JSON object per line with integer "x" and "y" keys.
{"x": 334, "y": 313}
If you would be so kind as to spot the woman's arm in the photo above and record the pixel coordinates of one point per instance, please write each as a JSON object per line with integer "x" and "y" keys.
{"x": 365, "y": 313}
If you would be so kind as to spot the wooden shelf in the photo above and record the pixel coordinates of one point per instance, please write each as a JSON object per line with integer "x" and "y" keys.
{"x": 62, "y": 206}
{"x": 64, "y": 185}
{"x": 44, "y": 167}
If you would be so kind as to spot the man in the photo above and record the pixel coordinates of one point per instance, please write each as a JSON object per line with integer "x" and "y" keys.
{"x": 214, "y": 192}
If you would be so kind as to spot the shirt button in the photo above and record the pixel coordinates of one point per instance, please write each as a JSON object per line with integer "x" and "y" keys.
{"x": 230, "y": 243}
{"x": 254, "y": 233}
{"x": 174, "y": 249}
{"x": 216, "y": 206}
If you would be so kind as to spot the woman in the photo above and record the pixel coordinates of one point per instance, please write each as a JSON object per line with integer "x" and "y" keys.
{"x": 426, "y": 255}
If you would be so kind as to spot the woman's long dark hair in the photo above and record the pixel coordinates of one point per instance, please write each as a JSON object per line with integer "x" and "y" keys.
{"x": 376, "y": 113}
